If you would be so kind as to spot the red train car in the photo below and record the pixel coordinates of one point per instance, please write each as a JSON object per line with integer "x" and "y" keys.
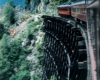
{"x": 64, "y": 10}
{"x": 74, "y": 9}
{"x": 78, "y": 10}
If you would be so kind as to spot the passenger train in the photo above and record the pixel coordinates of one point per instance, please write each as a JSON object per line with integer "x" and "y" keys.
{"x": 73, "y": 9}
{"x": 87, "y": 11}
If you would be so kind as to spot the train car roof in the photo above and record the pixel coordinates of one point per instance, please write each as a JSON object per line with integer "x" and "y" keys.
{"x": 71, "y": 4}
{"x": 78, "y": 3}
{"x": 65, "y": 5}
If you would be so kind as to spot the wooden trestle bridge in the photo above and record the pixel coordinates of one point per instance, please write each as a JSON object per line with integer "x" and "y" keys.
{"x": 65, "y": 53}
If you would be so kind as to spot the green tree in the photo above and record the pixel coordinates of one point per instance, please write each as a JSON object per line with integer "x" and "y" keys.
{"x": 9, "y": 13}
{"x": 4, "y": 41}
{"x": 2, "y": 30}
{"x": 5, "y": 70}
{"x": 27, "y": 3}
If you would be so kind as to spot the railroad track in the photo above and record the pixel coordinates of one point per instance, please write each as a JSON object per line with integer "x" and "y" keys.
{"x": 65, "y": 49}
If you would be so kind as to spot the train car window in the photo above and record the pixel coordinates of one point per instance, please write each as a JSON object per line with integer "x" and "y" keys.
{"x": 77, "y": 10}
{"x": 83, "y": 11}
{"x": 74, "y": 10}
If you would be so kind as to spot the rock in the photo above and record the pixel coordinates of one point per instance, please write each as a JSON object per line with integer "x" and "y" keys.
{"x": 26, "y": 42}
{"x": 15, "y": 69}
{"x": 23, "y": 43}
{"x": 19, "y": 8}
{"x": 32, "y": 43}
{"x": 19, "y": 11}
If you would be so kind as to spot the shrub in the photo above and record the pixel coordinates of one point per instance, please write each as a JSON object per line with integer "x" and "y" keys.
{"x": 53, "y": 77}
{"x": 30, "y": 20}
{"x": 41, "y": 27}
{"x": 23, "y": 75}
{"x": 24, "y": 66}
{"x": 39, "y": 47}
{"x": 35, "y": 77}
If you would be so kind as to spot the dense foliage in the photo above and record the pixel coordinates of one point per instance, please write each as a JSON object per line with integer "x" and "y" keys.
{"x": 13, "y": 63}
{"x": 12, "y": 60}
